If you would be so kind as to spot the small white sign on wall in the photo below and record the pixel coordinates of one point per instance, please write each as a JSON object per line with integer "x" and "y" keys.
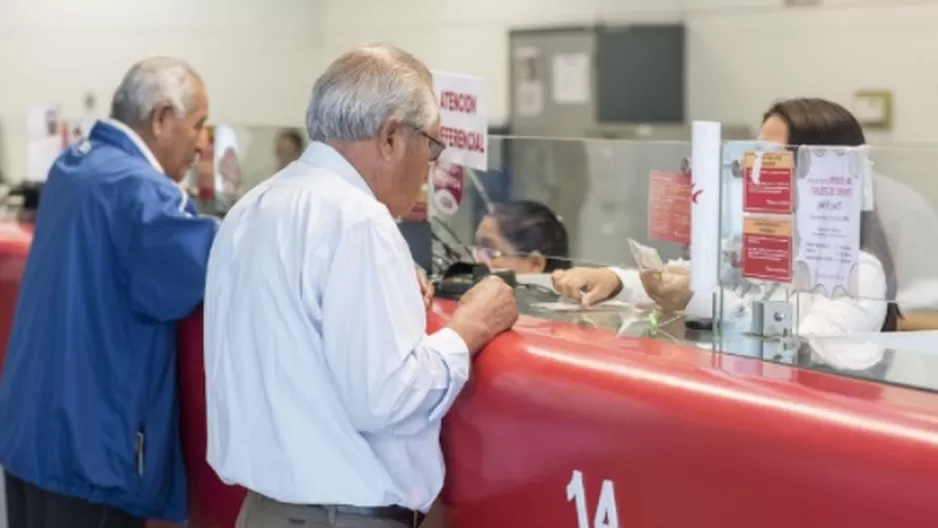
{"x": 571, "y": 78}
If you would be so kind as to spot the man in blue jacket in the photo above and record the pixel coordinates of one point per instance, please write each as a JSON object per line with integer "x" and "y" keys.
{"x": 89, "y": 432}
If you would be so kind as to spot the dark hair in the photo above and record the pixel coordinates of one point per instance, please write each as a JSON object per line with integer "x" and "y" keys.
{"x": 533, "y": 227}
{"x": 818, "y": 122}
{"x": 294, "y": 136}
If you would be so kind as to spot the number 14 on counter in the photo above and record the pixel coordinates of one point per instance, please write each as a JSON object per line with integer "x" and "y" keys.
{"x": 606, "y": 514}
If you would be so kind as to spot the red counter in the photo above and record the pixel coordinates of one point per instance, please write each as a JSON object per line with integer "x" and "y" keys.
{"x": 674, "y": 436}
{"x": 212, "y": 504}
{"x": 560, "y": 420}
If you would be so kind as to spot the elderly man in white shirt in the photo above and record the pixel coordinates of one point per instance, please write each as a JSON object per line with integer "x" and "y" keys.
{"x": 324, "y": 393}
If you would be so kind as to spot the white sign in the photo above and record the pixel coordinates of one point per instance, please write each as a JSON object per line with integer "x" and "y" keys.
{"x": 571, "y": 74}
{"x": 464, "y": 116}
{"x": 827, "y": 220}
{"x": 607, "y": 516}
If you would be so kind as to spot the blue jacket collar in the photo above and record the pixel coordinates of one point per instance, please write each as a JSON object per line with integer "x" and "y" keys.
{"x": 123, "y": 137}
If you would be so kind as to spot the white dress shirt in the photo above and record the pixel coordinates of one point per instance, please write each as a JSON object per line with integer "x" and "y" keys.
{"x": 321, "y": 384}
{"x": 817, "y": 315}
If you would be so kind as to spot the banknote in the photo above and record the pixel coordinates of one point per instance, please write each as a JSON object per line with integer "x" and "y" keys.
{"x": 646, "y": 258}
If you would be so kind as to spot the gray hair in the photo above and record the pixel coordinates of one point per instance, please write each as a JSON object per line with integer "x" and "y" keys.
{"x": 366, "y": 86}
{"x": 151, "y": 82}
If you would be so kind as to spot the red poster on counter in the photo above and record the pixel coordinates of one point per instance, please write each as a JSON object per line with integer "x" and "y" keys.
{"x": 669, "y": 206}
{"x": 768, "y": 182}
{"x": 767, "y": 248}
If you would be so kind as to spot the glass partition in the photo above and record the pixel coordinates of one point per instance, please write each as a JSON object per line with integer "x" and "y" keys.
{"x": 830, "y": 271}
{"x": 603, "y": 193}
{"x": 827, "y": 259}
{"x": 220, "y": 178}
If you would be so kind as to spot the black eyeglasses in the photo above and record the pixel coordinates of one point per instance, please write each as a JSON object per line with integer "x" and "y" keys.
{"x": 436, "y": 146}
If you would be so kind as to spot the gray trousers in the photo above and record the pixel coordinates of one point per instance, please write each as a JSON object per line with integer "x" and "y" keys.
{"x": 260, "y": 512}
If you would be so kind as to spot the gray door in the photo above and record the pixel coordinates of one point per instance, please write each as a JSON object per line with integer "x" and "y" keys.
{"x": 551, "y": 171}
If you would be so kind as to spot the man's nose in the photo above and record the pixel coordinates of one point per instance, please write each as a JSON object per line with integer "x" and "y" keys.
{"x": 203, "y": 143}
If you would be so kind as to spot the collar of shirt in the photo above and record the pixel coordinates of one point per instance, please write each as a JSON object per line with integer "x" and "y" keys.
{"x": 137, "y": 141}
{"x": 148, "y": 154}
{"x": 321, "y": 155}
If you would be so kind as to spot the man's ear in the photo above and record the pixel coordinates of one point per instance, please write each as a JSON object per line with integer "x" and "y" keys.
{"x": 390, "y": 138}
{"x": 161, "y": 118}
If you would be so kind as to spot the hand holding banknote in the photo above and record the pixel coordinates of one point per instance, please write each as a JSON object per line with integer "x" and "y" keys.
{"x": 669, "y": 288}
{"x": 646, "y": 258}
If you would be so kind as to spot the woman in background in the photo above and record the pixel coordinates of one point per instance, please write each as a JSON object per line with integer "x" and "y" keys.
{"x": 522, "y": 236}
{"x": 794, "y": 122}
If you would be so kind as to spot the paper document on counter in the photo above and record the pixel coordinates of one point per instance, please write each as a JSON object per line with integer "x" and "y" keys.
{"x": 567, "y": 306}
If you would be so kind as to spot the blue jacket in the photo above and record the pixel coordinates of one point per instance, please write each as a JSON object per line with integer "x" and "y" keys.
{"x": 88, "y": 400}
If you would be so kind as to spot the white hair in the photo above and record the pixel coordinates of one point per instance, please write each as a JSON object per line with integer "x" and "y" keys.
{"x": 151, "y": 82}
{"x": 363, "y": 88}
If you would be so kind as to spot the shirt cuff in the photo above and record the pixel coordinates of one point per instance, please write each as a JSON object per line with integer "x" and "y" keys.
{"x": 455, "y": 354}
{"x": 630, "y": 284}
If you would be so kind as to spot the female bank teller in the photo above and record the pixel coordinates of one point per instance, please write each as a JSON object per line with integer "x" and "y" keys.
{"x": 522, "y": 236}
{"x": 791, "y": 122}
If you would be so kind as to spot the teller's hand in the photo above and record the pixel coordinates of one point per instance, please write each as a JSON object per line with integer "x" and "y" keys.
{"x": 670, "y": 290}
{"x": 586, "y": 285}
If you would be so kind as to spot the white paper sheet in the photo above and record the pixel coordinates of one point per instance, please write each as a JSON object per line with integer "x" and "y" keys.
{"x": 566, "y": 306}
{"x": 529, "y": 90}
{"x": 828, "y": 220}
{"x": 571, "y": 78}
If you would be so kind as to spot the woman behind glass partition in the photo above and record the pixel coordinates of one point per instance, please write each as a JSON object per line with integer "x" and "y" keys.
{"x": 522, "y": 236}
{"x": 818, "y": 122}
{"x": 794, "y": 122}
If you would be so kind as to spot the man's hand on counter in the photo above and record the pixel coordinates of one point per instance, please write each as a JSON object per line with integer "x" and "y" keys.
{"x": 486, "y": 310}
{"x": 586, "y": 285}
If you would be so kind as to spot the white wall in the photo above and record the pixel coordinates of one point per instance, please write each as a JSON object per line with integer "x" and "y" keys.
{"x": 740, "y": 61}
{"x": 469, "y": 36}
{"x": 742, "y": 54}
{"x": 258, "y": 58}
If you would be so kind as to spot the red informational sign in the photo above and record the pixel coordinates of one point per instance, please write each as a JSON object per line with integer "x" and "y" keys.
{"x": 768, "y": 182}
{"x": 767, "y": 248}
{"x": 669, "y": 201}
{"x": 446, "y": 187}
